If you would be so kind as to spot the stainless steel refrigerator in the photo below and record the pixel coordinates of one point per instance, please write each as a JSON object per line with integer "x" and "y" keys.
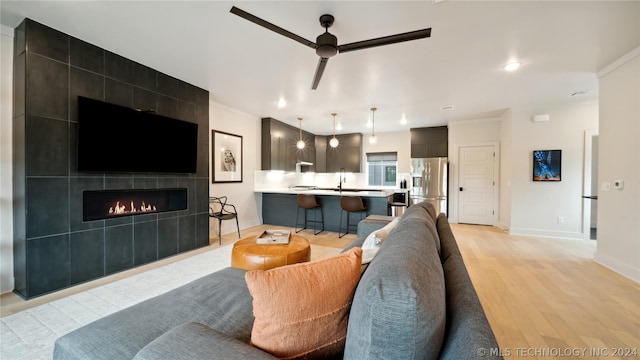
{"x": 429, "y": 181}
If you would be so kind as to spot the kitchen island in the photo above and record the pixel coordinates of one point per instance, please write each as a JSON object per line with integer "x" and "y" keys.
{"x": 279, "y": 206}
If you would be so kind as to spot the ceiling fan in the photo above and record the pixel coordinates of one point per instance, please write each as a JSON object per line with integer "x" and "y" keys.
{"x": 326, "y": 44}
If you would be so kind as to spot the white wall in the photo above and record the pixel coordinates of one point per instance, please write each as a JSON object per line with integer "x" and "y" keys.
{"x": 248, "y": 204}
{"x": 6, "y": 160}
{"x": 536, "y": 206}
{"x": 399, "y": 141}
{"x": 619, "y": 159}
{"x": 506, "y": 143}
{"x": 465, "y": 133}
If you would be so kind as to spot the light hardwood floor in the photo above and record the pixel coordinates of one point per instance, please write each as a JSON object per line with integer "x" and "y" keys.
{"x": 547, "y": 296}
{"x": 542, "y": 296}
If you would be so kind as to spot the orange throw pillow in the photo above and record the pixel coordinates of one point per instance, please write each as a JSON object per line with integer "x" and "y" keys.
{"x": 302, "y": 310}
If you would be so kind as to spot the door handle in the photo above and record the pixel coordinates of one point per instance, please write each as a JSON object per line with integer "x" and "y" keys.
{"x": 461, "y": 188}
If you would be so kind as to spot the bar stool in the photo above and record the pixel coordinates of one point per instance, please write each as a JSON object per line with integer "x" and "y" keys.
{"x": 309, "y": 202}
{"x": 350, "y": 204}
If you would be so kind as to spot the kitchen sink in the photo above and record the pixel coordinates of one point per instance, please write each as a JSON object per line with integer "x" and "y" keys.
{"x": 343, "y": 189}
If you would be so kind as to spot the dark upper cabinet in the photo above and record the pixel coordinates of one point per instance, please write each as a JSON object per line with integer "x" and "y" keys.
{"x": 430, "y": 142}
{"x": 347, "y": 155}
{"x": 279, "y": 150}
{"x": 321, "y": 154}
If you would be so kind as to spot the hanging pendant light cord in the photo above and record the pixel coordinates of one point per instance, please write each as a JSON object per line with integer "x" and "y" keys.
{"x": 372, "y": 139}
{"x": 373, "y": 121}
{"x": 334, "y": 124}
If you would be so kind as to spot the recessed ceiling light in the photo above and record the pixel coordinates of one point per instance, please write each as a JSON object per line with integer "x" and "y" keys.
{"x": 282, "y": 103}
{"x": 446, "y": 108}
{"x": 512, "y": 66}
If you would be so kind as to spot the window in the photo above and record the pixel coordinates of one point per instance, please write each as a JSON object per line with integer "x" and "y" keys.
{"x": 382, "y": 168}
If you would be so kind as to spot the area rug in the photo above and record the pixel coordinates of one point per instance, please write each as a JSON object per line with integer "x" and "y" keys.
{"x": 30, "y": 334}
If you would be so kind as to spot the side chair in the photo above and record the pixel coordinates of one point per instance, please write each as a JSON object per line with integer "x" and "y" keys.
{"x": 221, "y": 210}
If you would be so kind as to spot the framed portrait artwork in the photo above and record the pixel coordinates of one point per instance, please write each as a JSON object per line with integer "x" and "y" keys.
{"x": 226, "y": 157}
{"x": 547, "y": 165}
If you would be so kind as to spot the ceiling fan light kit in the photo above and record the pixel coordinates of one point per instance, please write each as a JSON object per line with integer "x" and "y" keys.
{"x": 326, "y": 44}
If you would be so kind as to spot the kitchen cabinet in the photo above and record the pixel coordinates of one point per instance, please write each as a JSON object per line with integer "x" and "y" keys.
{"x": 430, "y": 142}
{"x": 280, "y": 209}
{"x": 279, "y": 151}
{"x": 321, "y": 153}
{"x": 347, "y": 155}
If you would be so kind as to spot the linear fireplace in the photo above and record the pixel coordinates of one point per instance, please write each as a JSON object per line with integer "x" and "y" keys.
{"x": 106, "y": 204}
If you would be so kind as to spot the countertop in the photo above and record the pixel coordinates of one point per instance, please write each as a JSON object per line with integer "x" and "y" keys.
{"x": 330, "y": 192}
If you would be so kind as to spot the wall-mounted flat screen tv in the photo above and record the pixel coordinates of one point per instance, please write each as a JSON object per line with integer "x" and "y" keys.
{"x": 113, "y": 138}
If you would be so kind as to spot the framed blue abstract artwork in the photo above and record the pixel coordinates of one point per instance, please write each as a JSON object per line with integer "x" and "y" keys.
{"x": 547, "y": 165}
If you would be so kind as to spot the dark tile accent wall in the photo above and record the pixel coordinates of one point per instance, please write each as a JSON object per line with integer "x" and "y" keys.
{"x": 53, "y": 247}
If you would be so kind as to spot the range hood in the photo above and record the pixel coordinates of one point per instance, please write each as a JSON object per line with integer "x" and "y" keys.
{"x": 303, "y": 166}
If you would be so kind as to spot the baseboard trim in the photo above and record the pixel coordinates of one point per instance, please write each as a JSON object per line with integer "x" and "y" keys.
{"x": 502, "y": 226}
{"x": 571, "y": 235}
{"x": 8, "y": 285}
{"x": 617, "y": 266}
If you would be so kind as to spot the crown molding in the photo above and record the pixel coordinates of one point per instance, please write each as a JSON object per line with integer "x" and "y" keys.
{"x": 616, "y": 64}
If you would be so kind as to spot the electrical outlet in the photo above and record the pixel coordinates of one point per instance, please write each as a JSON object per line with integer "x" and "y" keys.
{"x": 560, "y": 220}
{"x": 618, "y": 184}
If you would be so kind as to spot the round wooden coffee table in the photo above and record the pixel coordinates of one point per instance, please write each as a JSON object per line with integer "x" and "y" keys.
{"x": 246, "y": 254}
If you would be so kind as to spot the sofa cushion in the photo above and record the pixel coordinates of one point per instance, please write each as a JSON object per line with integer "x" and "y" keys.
{"x": 301, "y": 310}
{"x": 468, "y": 330}
{"x": 399, "y": 308}
{"x": 220, "y": 300}
{"x": 196, "y": 341}
{"x": 430, "y": 220}
{"x": 447, "y": 240}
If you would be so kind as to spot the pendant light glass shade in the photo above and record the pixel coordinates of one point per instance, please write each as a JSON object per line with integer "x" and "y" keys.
{"x": 334, "y": 141}
{"x": 300, "y": 144}
{"x": 373, "y": 139}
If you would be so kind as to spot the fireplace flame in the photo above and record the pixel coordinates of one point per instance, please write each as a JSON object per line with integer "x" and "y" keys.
{"x": 119, "y": 209}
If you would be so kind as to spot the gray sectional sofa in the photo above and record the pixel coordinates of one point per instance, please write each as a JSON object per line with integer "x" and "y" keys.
{"x": 414, "y": 300}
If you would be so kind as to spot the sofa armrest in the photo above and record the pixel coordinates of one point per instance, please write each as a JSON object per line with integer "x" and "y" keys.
{"x": 196, "y": 341}
{"x": 365, "y": 227}
{"x": 372, "y": 223}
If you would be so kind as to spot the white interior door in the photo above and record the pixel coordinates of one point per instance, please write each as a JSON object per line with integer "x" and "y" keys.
{"x": 476, "y": 185}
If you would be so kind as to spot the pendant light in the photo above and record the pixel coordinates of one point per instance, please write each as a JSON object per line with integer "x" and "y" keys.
{"x": 300, "y": 144}
{"x": 334, "y": 142}
{"x": 373, "y": 139}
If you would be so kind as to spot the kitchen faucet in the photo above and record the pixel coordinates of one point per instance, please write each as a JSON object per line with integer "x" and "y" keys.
{"x": 343, "y": 178}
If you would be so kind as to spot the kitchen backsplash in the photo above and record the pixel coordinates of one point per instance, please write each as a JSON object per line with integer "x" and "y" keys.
{"x": 274, "y": 179}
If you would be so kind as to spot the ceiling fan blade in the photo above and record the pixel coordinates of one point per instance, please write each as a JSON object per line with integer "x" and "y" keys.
{"x": 272, "y": 27}
{"x": 385, "y": 40}
{"x": 322, "y": 63}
